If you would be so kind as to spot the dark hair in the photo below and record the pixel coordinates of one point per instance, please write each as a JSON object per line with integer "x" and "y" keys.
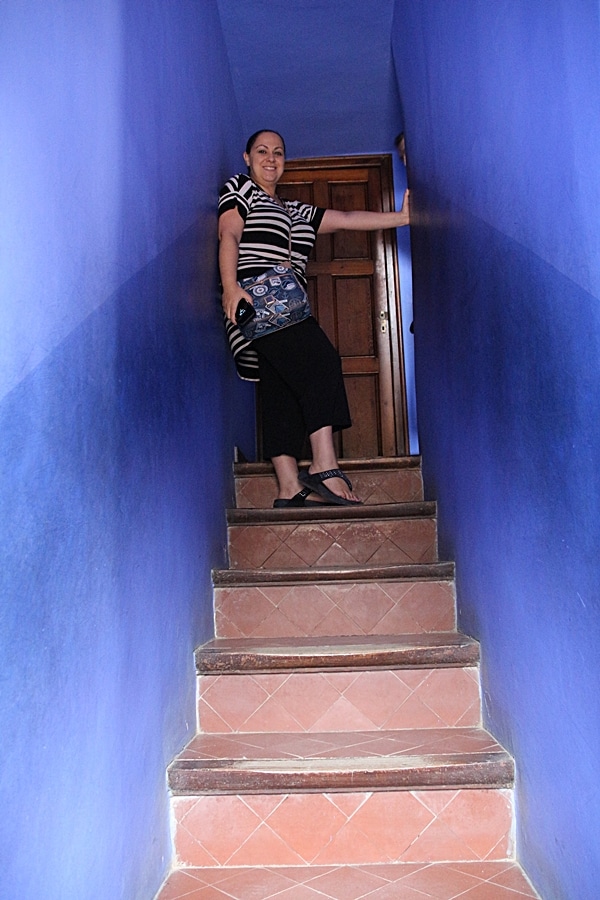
{"x": 253, "y": 138}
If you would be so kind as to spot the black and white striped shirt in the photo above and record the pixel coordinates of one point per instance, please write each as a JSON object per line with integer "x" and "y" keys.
{"x": 265, "y": 238}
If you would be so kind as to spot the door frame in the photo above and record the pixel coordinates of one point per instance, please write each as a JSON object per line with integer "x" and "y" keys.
{"x": 392, "y": 361}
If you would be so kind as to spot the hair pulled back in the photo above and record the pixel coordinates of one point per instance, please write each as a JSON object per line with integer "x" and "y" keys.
{"x": 254, "y": 137}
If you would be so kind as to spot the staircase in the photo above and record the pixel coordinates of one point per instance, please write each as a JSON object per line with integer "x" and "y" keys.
{"x": 340, "y": 753}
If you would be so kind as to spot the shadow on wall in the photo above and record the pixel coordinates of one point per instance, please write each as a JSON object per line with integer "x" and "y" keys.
{"x": 117, "y": 430}
{"x": 114, "y": 481}
{"x": 507, "y": 369}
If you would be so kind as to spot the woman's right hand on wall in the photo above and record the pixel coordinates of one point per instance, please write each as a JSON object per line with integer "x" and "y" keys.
{"x": 406, "y": 206}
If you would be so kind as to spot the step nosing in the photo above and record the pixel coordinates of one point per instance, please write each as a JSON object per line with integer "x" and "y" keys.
{"x": 432, "y": 771}
{"x": 449, "y": 649}
{"x": 326, "y": 664}
{"x": 422, "y": 509}
{"x": 440, "y": 571}
{"x": 414, "y": 758}
{"x": 383, "y": 464}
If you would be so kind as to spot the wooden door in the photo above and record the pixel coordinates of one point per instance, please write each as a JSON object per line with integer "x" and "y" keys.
{"x": 354, "y": 294}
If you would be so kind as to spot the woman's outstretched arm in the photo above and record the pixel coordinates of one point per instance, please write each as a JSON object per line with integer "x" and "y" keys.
{"x": 364, "y": 220}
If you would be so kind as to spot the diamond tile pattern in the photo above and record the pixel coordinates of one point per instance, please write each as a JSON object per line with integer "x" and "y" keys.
{"x": 344, "y": 842}
{"x": 332, "y": 543}
{"x": 405, "y": 881}
{"x": 339, "y": 701}
{"x": 337, "y": 745}
{"x": 373, "y": 487}
{"x": 344, "y": 608}
{"x": 365, "y": 827}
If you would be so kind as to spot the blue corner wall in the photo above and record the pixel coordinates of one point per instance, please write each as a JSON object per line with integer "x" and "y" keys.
{"x": 119, "y": 413}
{"x": 500, "y": 104}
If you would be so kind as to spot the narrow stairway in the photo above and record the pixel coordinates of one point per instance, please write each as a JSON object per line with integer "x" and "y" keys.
{"x": 340, "y": 753}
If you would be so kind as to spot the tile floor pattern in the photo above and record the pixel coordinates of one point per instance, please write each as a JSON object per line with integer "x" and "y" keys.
{"x": 344, "y": 608}
{"x": 339, "y": 701}
{"x": 441, "y": 881}
{"x": 365, "y": 827}
{"x": 334, "y": 745}
{"x": 341, "y": 845}
{"x": 403, "y": 486}
{"x": 333, "y": 543}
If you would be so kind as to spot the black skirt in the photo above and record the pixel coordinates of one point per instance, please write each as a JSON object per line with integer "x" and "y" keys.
{"x": 301, "y": 387}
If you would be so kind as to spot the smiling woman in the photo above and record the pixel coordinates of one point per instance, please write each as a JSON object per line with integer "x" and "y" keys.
{"x": 301, "y": 383}
{"x": 265, "y": 155}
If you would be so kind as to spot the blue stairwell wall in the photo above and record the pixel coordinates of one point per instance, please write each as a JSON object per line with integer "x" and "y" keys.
{"x": 118, "y": 418}
{"x": 500, "y": 104}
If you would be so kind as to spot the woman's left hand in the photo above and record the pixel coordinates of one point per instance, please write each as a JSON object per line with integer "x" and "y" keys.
{"x": 406, "y": 206}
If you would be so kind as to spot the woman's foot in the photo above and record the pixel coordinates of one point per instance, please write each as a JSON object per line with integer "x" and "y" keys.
{"x": 286, "y": 471}
{"x": 338, "y": 488}
{"x": 304, "y": 497}
{"x": 326, "y": 467}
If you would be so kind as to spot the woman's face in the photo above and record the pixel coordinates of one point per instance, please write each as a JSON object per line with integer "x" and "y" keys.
{"x": 266, "y": 160}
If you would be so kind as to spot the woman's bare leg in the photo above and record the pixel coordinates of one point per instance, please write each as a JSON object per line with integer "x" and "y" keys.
{"x": 286, "y": 470}
{"x": 324, "y": 458}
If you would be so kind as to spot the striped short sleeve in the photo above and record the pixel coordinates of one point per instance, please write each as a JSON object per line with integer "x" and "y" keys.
{"x": 236, "y": 194}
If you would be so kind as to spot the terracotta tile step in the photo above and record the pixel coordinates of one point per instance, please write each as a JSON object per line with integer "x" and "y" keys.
{"x": 489, "y": 880}
{"x": 320, "y": 608}
{"x": 375, "y": 481}
{"x": 333, "y": 828}
{"x": 413, "y": 651}
{"x": 358, "y": 700}
{"x": 335, "y": 536}
{"x": 318, "y": 601}
{"x": 281, "y": 763}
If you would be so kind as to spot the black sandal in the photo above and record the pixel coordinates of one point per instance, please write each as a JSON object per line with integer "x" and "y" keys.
{"x": 297, "y": 500}
{"x": 315, "y": 483}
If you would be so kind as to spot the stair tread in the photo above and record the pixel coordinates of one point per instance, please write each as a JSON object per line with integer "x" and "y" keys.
{"x": 232, "y": 655}
{"x": 413, "y": 510}
{"x": 440, "y": 571}
{"x": 348, "y": 465}
{"x": 277, "y": 677}
{"x": 405, "y": 759}
{"x": 500, "y": 879}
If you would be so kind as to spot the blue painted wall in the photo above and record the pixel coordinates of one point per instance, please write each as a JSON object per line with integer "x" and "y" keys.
{"x": 119, "y": 412}
{"x": 500, "y": 102}
{"x": 117, "y": 396}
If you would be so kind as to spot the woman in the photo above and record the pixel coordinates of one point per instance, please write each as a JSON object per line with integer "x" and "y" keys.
{"x": 302, "y": 388}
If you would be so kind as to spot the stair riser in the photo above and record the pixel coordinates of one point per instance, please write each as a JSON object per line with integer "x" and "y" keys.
{"x": 339, "y": 701}
{"x": 313, "y": 610}
{"x": 309, "y": 769}
{"x": 353, "y": 828}
{"x": 333, "y": 543}
{"x": 404, "y": 486}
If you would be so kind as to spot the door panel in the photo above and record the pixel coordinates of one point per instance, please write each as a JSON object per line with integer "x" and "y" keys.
{"x": 355, "y": 324}
{"x": 354, "y": 295}
{"x": 363, "y": 440}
